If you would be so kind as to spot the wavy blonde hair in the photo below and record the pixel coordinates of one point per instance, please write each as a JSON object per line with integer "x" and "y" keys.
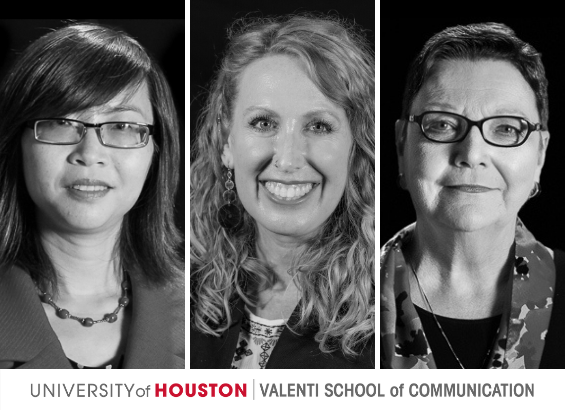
{"x": 334, "y": 270}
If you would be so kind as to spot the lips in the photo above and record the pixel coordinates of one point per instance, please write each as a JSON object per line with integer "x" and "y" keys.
{"x": 294, "y": 191}
{"x": 86, "y": 184}
{"x": 471, "y": 188}
{"x": 300, "y": 197}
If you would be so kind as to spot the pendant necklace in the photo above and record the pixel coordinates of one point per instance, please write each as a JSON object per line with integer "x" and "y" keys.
{"x": 441, "y": 329}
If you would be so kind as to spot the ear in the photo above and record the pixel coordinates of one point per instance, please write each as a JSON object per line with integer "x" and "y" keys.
{"x": 400, "y": 137}
{"x": 227, "y": 156}
{"x": 544, "y": 142}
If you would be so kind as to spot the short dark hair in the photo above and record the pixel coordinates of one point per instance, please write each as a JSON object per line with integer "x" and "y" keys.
{"x": 70, "y": 70}
{"x": 482, "y": 41}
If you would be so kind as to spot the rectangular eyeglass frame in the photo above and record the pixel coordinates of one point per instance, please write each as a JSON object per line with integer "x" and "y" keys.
{"x": 33, "y": 125}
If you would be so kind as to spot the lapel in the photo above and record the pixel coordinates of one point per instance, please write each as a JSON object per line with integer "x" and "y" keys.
{"x": 302, "y": 351}
{"x": 211, "y": 352}
{"x": 26, "y": 338}
{"x": 292, "y": 351}
{"x": 525, "y": 320}
{"x": 156, "y": 334}
{"x": 27, "y": 341}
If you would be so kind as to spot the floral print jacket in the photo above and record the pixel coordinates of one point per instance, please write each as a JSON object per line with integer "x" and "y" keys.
{"x": 521, "y": 336}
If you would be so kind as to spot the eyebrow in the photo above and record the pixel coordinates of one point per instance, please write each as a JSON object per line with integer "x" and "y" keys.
{"x": 506, "y": 110}
{"x": 501, "y": 110}
{"x": 121, "y": 108}
{"x": 309, "y": 114}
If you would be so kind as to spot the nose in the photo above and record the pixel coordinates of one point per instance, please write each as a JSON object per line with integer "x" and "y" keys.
{"x": 472, "y": 152}
{"x": 289, "y": 149}
{"x": 89, "y": 151}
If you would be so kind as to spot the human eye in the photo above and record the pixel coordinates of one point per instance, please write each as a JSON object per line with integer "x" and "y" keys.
{"x": 263, "y": 123}
{"x": 63, "y": 122}
{"x": 320, "y": 126}
{"x": 121, "y": 126}
{"x": 507, "y": 130}
{"x": 506, "y": 126}
{"x": 440, "y": 125}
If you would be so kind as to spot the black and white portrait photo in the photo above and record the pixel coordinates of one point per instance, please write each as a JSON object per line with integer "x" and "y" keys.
{"x": 91, "y": 251}
{"x": 282, "y": 186}
{"x": 471, "y": 271}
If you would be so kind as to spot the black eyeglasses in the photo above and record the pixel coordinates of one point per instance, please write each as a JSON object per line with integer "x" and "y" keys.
{"x": 501, "y": 131}
{"x": 63, "y": 131}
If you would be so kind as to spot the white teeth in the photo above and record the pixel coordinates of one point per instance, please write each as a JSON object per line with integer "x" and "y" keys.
{"x": 89, "y": 187}
{"x": 288, "y": 192}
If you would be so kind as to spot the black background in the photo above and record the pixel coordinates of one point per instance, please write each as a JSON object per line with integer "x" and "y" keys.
{"x": 210, "y": 19}
{"x": 401, "y": 40}
{"x": 162, "y": 38}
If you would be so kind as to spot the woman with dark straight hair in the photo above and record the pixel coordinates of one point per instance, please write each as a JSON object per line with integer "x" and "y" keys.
{"x": 90, "y": 275}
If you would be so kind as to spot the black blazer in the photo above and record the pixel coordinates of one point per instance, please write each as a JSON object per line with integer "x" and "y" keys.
{"x": 291, "y": 351}
{"x": 155, "y": 339}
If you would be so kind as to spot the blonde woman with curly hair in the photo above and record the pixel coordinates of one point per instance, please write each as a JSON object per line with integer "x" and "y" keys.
{"x": 282, "y": 200}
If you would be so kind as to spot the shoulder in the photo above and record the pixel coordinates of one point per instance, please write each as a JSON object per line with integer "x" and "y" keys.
{"x": 14, "y": 280}
{"x": 158, "y": 318}
{"x": 395, "y": 243}
{"x": 170, "y": 295}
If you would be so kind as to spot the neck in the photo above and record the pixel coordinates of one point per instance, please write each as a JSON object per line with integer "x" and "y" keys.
{"x": 458, "y": 254}
{"x": 277, "y": 252}
{"x": 86, "y": 265}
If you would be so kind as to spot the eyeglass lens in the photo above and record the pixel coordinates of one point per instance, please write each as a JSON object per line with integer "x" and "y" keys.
{"x": 119, "y": 134}
{"x": 443, "y": 127}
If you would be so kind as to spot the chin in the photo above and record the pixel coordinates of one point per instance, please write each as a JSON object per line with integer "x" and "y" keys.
{"x": 469, "y": 221}
{"x": 87, "y": 223}
{"x": 287, "y": 228}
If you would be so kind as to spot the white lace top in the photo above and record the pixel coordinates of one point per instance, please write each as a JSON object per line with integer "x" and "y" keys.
{"x": 257, "y": 338}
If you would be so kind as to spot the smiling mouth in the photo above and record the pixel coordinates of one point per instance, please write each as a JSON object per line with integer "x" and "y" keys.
{"x": 89, "y": 188}
{"x": 288, "y": 192}
{"x": 472, "y": 189}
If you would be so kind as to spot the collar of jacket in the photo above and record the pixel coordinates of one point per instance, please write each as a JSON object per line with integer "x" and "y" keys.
{"x": 26, "y": 340}
{"x": 292, "y": 351}
{"x": 155, "y": 336}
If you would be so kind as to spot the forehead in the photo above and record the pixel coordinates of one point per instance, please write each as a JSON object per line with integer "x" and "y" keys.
{"x": 279, "y": 82}
{"x": 483, "y": 87}
{"x": 134, "y": 100}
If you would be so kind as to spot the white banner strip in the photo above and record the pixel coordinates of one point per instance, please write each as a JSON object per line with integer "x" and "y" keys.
{"x": 254, "y": 389}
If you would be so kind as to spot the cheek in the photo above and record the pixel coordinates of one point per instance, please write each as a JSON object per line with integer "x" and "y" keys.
{"x": 519, "y": 174}
{"x": 331, "y": 158}
{"x": 423, "y": 165}
{"x": 250, "y": 154}
{"x": 134, "y": 169}
{"x": 39, "y": 167}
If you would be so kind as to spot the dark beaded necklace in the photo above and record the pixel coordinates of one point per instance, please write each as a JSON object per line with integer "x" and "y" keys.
{"x": 123, "y": 301}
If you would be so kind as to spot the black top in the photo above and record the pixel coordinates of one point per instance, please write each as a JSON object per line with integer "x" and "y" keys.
{"x": 116, "y": 363}
{"x": 292, "y": 351}
{"x": 471, "y": 339}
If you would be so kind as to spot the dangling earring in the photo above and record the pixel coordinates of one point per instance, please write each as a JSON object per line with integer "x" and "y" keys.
{"x": 229, "y": 215}
{"x": 536, "y": 190}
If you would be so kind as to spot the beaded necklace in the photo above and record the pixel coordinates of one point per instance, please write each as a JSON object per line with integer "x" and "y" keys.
{"x": 123, "y": 301}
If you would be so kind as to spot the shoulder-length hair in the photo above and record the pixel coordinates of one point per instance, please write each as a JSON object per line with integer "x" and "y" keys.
{"x": 334, "y": 270}
{"x": 70, "y": 70}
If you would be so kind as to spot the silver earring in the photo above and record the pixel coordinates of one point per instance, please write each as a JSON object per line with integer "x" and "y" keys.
{"x": 536, "y": 190}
